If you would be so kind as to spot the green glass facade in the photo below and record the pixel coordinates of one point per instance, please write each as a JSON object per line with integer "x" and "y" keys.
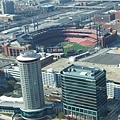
{"x": 31, "y": 115}
{"x": 84, "y": 92}
{"x": 37, "y": 115}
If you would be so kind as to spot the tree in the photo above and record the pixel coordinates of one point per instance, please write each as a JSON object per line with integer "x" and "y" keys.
{"x": 11, "y": 82}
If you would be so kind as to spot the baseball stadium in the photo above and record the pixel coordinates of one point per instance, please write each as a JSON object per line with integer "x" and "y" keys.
{"x": 67, "y": 37}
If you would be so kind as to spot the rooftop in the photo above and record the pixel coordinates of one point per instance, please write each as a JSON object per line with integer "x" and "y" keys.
{"x": 11, "y": 102}
{"x": 82, "y": 71}
{"x": 11, "y": 30}
{"x": 15, "y": 44}
{"x": 28, "y": 55}
{"x": 7, "y": 15}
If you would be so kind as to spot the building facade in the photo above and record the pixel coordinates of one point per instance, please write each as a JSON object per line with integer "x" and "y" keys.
{"x": 12, "y": 73}
{"x": 13, "y": 48}
{"x": 84, "y": 92}
{"x": 102, "y": 19}
{"x": 51, "y": 78}
{"x": 32, "y": 87}
{"x": 7, "y": 7}
{"x": 113, "y": 90}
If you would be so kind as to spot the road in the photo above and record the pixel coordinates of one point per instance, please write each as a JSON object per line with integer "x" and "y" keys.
{"x": 113, "y": 115}
{"x": 99, "y": 52}
{"x": 81, "y": 16}
{"x": 6, "y": 61}
{"x": 25, "y": 21}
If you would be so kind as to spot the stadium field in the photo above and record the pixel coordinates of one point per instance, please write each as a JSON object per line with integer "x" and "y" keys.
{"x": 72, "y": 46}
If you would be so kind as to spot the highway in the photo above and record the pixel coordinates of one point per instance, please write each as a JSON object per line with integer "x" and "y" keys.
{"x": 25, "y": 21}
{"x": 95, "y": 7}
{"x": 85, "y": 14}
{"x": 81, "y": 16}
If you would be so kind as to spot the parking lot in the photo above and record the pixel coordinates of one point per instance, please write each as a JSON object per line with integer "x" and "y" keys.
{"x": 107, "y": 59}
{"x": 5, "y": 62}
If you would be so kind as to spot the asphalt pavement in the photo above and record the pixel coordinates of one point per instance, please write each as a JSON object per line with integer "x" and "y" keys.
{"x": 107, "y": 59}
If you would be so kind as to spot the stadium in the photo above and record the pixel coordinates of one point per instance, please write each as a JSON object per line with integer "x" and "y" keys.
{"x": 50, "y": 37}
{"x": 74, "y": 39}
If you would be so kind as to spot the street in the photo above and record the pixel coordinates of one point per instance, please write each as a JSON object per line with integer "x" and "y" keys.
{"x": 113, "y": 114}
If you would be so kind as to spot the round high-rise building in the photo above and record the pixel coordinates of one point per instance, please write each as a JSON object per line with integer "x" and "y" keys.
{"x": 31, "y": 82}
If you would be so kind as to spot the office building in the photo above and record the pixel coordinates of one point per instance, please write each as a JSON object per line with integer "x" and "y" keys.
{"x": 84, "y": 92}
{"x": 31, "y": 83}
{"x": 7, "y": 7}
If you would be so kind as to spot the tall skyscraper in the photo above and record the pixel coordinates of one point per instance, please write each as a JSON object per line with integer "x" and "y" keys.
{"x": 84, "y": 92}
{"x": 31, "y": 83}
{"x": 7, "y": 7}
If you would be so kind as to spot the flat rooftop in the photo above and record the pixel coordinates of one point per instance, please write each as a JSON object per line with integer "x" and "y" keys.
{"x": 11, "y": 102}
{"x": 83, "y": 71}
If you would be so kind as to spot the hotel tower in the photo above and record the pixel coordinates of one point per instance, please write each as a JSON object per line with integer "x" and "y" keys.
{"x": 31, "y": 83}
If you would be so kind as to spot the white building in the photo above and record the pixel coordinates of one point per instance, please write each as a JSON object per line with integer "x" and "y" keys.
{"x": 12, "y": 72}
{"x": 31, "y": 80}
{"x": 113, "y": 90}
{"x": 49, "y": 78}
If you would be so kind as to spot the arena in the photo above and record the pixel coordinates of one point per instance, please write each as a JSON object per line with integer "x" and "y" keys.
{"x": 85, "y": 37}
{"x": 50, "y": 37}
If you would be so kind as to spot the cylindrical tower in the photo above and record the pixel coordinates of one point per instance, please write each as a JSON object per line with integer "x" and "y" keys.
{"x": 31, "y": 80}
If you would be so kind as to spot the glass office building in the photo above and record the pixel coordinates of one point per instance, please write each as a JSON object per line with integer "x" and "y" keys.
{"x": 84, "y": 92}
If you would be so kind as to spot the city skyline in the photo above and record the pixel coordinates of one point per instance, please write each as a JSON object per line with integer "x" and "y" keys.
{"x": 67, "y": 52}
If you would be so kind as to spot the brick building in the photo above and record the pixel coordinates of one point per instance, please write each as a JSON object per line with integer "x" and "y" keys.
{"x": 102, "y": 19}
{"x": 117, "y": 15}
{"x": 108, "y": 39}
{"x": 13, "y": 48}
{"x": 113, "y": 25}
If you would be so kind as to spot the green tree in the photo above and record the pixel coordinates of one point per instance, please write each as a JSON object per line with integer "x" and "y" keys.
{"x": 11, "y": 82}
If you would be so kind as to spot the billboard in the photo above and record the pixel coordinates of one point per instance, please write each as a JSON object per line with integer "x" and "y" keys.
{"x": 54, "y": 49}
